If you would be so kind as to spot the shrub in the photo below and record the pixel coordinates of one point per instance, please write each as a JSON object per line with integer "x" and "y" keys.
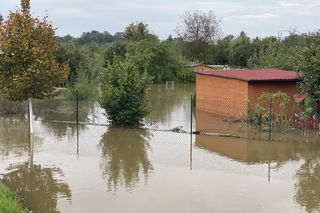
{"x": 125, "y": 93}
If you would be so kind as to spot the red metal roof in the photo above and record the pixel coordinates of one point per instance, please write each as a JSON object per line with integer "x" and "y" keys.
{"x": 254, "y": 75}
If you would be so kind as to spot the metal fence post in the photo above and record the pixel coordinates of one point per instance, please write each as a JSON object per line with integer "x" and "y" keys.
{"x": 77, "y": 105}
{"x": 191, "y": 110}
{"x": 270, "y": 119}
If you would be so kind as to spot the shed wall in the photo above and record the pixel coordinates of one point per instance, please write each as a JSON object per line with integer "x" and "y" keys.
{"x": 256, "y": 89}
{"x": 221, "y": 96}
{"x": 200, "y": 68}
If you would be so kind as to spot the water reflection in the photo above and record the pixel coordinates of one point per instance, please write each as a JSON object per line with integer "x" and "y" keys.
{"x": 308, "y": 179}
{"x": 56, "y": 110}
{"x": 125, "y": 157}
{"x": 307, "y": 187}
{"x": 250, "y": 151}
{"x": 37, "y": 186}
{"x": 14, "y": 136}
{"x": 166, "y": 103}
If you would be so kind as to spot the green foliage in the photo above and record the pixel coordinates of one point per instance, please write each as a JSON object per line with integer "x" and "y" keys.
{"x": 28, "y": 67}
{"x": 138, "y": 31}
{"x": 8, "y": 203}
{"x": 84, "y": 86}
{"x": 125, "y": 93}
{"x": 69, "y": 53}
{"x": 280, "y": 57}
{"x": 309, "y": 66}
{"x": 96, "y": 38}
{"x": 115, "y": 50}
{"x": 259, "y": 115}
{"x": 240, "y": 50}
{"x": 160, "y": 59}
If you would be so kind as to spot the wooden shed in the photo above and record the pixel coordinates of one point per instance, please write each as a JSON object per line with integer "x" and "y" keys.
{"x": 227, "y": 92}
{"x": 198, "y": 67}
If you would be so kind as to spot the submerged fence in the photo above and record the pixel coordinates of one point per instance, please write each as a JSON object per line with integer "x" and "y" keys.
{"x": 262, "y": 121}
{"x": 182, "y": 114}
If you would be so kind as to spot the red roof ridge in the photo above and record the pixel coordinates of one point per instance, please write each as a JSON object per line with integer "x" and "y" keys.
{"x": 254, "y": 75}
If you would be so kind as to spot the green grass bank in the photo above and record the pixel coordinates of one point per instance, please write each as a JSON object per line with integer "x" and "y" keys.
{"x": 8, "y": 202}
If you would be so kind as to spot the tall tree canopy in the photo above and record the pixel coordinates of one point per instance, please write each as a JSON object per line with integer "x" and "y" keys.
{"x": 197, "y": 32}
{"x": 137, "y": 31}
{"x": 28, "y": 67}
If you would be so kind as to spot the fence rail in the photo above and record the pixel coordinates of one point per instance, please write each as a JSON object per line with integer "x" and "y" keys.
{"x": 216, "y": 118}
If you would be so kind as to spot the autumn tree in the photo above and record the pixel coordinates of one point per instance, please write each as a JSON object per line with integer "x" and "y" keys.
{"x": 28, "y": 67}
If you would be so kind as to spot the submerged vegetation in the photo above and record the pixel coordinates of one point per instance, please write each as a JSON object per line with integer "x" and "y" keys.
{"x": 125, "y": 93}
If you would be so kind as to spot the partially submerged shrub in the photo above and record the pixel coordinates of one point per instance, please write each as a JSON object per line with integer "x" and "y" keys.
{"x": 125, "y": 93}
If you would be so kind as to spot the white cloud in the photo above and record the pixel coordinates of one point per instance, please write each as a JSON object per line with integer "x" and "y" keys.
{"x": 288, "y": 4}
{"x": 261, "y": 17}
{"x": 77, "y": 16}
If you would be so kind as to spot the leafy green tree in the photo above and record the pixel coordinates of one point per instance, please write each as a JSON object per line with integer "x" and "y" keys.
{"x": 69, "y": 53}
{"x": 281, "y": 57}
{"x": 125, "y": 93}
{"x": 115, "y": 50}
{"x": 219, "y": 53}
{"x": 240, "y": 50}
{"x": 161, "y": 60}
{"x": 92, "y": 60}
{"x": 309, "y": 66}
{"x": 95, "y": 37}
{"x": 28, "y": 67}
{"x": 138, "y": 31}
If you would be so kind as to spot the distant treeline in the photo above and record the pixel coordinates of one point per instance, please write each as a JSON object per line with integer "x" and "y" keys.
{"x": 92, "y": 52}
{"x": 198, "y": 40}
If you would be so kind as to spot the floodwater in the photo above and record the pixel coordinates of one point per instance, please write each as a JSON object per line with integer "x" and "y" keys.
{"x": 70, "y": 169}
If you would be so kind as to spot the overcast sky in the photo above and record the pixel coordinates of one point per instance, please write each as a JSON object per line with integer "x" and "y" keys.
{"x": 256, "y": 17}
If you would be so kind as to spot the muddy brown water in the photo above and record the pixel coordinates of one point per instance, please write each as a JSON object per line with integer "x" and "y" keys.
{"x": 62, "y": 168}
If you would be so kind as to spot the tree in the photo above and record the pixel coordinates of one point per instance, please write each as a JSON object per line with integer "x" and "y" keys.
{"x": 137, "y": 31}
{"x": 199, "y": 26}
{"x": 161, "y": 60}
{"x": 219, "y": 53}
{"x": 117, "y": 49}
{"x": 197, "y": 32}
{"x": 240, "y": 50}
{"x": 125, "y": 93}
{"x": 309, "y": 66}
{"x": 28, "y": 67}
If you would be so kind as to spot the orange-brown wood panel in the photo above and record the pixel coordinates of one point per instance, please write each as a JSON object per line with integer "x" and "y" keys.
{"x": 222, "y": 96}
{"x": 256, "y": 89}
{"x": 200, "y": 68}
